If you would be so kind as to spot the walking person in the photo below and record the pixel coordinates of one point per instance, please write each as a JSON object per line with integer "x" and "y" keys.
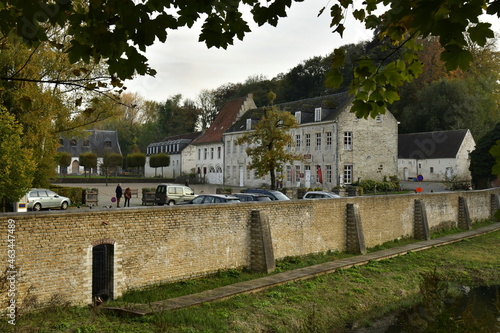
{"x": 119, "y": 193}
{"x": 127, "y": 195}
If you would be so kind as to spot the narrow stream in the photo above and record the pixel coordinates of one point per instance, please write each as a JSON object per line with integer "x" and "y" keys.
{"x": 476, "y": 310}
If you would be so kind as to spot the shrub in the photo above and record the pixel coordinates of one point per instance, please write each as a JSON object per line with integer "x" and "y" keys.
{"x": 73, "y": 193}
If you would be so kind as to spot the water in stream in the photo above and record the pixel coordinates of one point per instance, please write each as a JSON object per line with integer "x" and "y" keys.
{"x": 477, "y": 310}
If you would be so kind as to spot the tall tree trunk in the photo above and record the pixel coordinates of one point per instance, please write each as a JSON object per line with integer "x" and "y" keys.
{"x": 273, "y": 179}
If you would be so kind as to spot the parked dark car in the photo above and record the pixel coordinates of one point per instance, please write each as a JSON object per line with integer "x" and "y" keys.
{"x": 212, "y": 198}
{"x": 273, "y": 194}
{"x": 40, "y": 198}
{"x": 251, "y": 197}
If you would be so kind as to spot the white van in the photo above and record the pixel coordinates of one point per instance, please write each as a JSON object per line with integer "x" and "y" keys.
{"x": 172, "y": 194}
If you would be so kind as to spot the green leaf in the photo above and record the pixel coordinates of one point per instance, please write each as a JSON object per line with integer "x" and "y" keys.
{"x": 361, "y": 108}
{"x": 369, "y": 85}
{"x": 377, "y": 108}
{"x": 372, "y": 21}
{"x": 480, "y": 33}
{"x": 391, "y": 95}
{"x": 359, "y": 14}
{"x": 333, "y": 78}
{"x": 455, "y": 57}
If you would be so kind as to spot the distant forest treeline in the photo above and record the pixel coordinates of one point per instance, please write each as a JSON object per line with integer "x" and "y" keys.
{"x": 436, "y": 100}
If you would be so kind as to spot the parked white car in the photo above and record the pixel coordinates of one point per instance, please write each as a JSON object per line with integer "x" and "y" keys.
{"x": 320, "y": 195}
{"x": 40, "y": 198}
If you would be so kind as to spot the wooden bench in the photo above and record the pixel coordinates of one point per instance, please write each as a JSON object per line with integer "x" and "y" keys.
{"x": 135, "y": 192}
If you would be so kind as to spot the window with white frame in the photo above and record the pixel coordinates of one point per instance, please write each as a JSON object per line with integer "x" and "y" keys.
{"x": 249, "y": 124}
{"x": 288, "y": 173}
{"x": 347, "y": 174}
{"x": 234, "y": 147}
{"x": 306, "y": 168}
{"x": 248, "y": 174}
{"x": 199, "y": 154}
{"x": 328, "y": 173}
{"x": 298, "y": 116}
{"x": 308, "y": 141}
{"x": 317, "y": 114}
{"x": 212, "y": 153}
{"x": 347, "y": 140}
{"x": 297, "y": 173}
{"x": 228, "y": 171}
{"x": 205, "y": 153}
{"x": 328, "y": 140}
{"x": 297, "y": 141}
{"x": 228, "y": 147}
{"x": 318, "y": 141}
{"x": 234, "y": 172}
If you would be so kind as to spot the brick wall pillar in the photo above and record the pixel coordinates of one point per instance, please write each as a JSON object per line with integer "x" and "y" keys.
{"x": 420, "y": 224}
{"x": 355, "y": 242}
{"x": 464, "y": 221}
{"x": 261, "y": 247}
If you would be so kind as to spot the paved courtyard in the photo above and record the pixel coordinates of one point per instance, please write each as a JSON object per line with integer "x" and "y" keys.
{"x": 106, "y": 192}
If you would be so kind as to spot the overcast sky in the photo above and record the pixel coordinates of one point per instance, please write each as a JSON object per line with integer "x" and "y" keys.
{"x": 186, "y": 66}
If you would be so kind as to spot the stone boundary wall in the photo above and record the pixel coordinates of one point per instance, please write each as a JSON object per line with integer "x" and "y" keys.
{"x": 53, "y": 249}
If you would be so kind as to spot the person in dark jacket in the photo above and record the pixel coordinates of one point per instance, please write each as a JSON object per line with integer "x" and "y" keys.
{"x": 119, "y": 193}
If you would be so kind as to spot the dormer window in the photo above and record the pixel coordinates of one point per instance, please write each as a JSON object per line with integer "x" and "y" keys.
{"x": 86, "y": 143}
{"x": 249, "y": 124}
{"x": 298, "y": 116}
{"x": 108, "y": 143}
{"x": 317, "y": 114}
{"x": 72, "y": 143}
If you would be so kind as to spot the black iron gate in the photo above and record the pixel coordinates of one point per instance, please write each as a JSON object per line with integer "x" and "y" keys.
{"x": 102, "y": 272}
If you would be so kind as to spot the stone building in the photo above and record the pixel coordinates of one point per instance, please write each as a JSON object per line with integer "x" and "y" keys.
{"x": 99, "y": 142}
{"x": 338, "y": 148}
{"x": 181, "y": 152}
{"x": 435, "y": 156}
{"x": 209, "y": 146}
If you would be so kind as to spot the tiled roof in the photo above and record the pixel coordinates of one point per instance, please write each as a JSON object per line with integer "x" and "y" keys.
{"x": 188, "y": 136}
{"x": 332, "y": 106}
{"x": 226, "y": 117}
{"x": 427, "y": 145}
{"x": 97, "y": 141}
{"x": 175, "y": 143}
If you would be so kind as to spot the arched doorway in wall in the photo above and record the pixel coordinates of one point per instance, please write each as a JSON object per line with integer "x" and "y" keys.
{"x": 75, "y": 167}
{"x": 102, "y": 272}
{"x": 220, "y": 176}
{"x": 211, "y": 175}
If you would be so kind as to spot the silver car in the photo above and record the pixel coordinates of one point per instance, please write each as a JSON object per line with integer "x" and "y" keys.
{"x": 40, "y": 198}
{"x": 319, "y": 195}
